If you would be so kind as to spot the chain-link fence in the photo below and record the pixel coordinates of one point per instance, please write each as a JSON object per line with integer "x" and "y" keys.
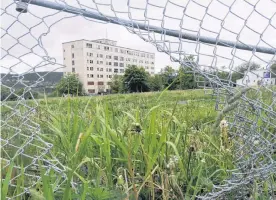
{"x": 218, "y": 34}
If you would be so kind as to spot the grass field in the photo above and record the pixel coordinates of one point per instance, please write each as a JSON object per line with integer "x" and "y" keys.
{"x": 134, "y": 146}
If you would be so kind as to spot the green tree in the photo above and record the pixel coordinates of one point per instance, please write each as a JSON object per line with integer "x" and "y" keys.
{"x": 273, "y": 70}
{"x": 241, "y": 70}
{"x": 136, "y": 79}
{"x": 116, "y": 85}
{"x": 186, "y": 79}
{"x": 70, "y": 84}
{"x": 169, "y": 77}
{"x": 156, "y": 83}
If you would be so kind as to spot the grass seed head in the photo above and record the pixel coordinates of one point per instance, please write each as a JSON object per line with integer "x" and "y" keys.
{"x": 136, "y": 128}
{"x": 223, "y": 124}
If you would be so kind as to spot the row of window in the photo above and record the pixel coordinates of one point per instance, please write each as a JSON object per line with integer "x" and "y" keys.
{"x": 101, "y": 70}
{"x": 106, "y": 48}
{"x": 99, "y": 83}
{"x": 124, "y": 51}
{"x": 121, "y": 58}
{"x": 93, "y": 90}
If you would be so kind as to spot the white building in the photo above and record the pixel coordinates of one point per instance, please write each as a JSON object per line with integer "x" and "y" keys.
{"x": 257, "y": 77}
{"x": 95, "y": 62}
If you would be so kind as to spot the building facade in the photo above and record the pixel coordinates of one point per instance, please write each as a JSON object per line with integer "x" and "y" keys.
{"x": 96, "y": 62}
{"x": 257, "y": 77}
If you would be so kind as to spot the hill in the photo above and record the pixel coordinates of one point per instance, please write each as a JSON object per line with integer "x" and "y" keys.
{"x": 37, "y": 81}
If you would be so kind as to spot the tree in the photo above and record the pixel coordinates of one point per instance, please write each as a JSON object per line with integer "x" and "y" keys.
{"x": 116, "y": 85}
{"x": 7, "y": 95}
{"x": 169, "y": 77}
{"x": 155, "y": 82}
{"x": 136, "y": 79}
{"x": 241, "y": 70}
{"x": 186, "y": 79}
{"x": 273, "y": 70}
{"x": 70, "y": 84}
{"x": 247, "y": 66}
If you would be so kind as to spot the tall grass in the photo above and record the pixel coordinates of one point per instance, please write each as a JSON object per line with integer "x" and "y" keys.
{"x": 136, "y": 146}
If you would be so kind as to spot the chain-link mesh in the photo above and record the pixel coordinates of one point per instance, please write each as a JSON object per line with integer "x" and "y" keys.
{"x": 180, "y": 29}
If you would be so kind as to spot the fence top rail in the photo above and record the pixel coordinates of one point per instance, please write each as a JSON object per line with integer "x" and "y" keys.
{"x": 150, "y": 28}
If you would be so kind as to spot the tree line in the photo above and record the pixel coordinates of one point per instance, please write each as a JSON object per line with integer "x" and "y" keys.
{"x": 136, "y": 79}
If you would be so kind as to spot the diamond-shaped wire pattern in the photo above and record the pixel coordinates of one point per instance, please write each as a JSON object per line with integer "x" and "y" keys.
{"x": 213, "y": 31}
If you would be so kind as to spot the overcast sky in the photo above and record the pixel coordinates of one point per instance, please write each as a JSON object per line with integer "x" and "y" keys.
{"x": 229, "y": 21}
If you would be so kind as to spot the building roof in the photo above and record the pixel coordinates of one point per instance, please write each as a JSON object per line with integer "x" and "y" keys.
{"x": 109, "y": 45}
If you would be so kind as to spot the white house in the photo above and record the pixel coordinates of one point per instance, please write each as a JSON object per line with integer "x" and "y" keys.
{"x": 257, "y": 77}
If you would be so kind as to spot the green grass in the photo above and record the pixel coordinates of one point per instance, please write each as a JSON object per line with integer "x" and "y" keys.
{"x": 150, "y": 145}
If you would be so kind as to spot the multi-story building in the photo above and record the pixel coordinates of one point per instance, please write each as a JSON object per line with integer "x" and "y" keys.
{"x": 96, "y": 62}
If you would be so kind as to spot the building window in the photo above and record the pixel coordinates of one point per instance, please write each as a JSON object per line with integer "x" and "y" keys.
{"x": 91, "y": 75}
{"x": 101, "y": 62}
{"x": 91, "y": 91}
{"x": 73, "y": 62}
{"x": 115, "y": 64}
{"x": 91, "y": 68}
{"x": 122, "y": 70}
{"x": 63, "y": 50}
{"x": 110, "y": 69}
{"x": 122, "y": 51}
{"x": 116, "y": 49}
{"x": 73, "y": 69}
{"x": 72, "y": 46}
{"x": 87, "y": 68}
{"x": 108, "y": 57}
{"x": 110, "y": 76}
{"x": 140, "y": 61}
{"x": 116, "y": 70}
{"x": 129, "y": 52}
{"x": 88, "y": 45}
{"x": 152, "y": 63}
{"x": 90, "y": 83}
{"x": 152, "y": 67}
{"x": 101, "y": 69}
{"x": 121, "y": 64}
{"x": 121, "y": 58}
{"x": 100, "y": 55}
{"x": 91, "y": 61}
{"x": 87, "y": 75}
{"x": 100, "y": 83}
{"x": 115, "y": 57}
{"x": 106, "y": 48}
